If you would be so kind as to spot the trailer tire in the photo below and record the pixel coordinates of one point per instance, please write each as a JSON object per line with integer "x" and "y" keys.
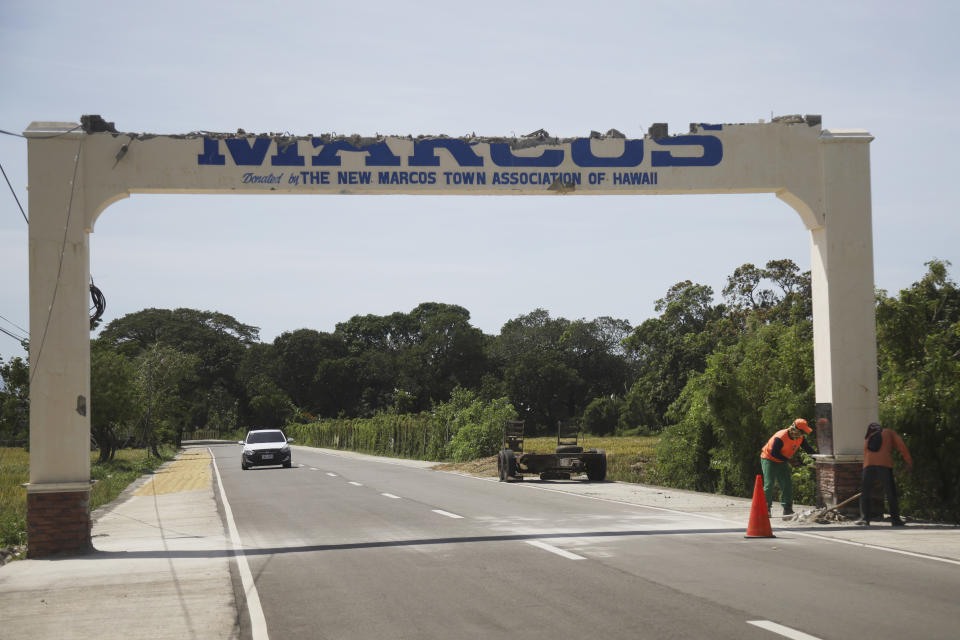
{"x": 511, "y": 465}
{"x": 501, "y": 466}
{"x": 597, "y": 466}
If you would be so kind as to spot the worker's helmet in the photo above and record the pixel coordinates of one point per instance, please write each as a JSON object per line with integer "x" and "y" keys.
{"x": 801, "y": 424}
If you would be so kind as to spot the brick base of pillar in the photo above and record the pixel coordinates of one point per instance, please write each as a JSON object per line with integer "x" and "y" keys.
{"x": 58, "y": 522}
{"x": 837, "y": 481}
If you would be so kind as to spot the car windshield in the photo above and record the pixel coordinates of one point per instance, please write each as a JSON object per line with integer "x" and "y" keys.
{"x": 267, "y": 436}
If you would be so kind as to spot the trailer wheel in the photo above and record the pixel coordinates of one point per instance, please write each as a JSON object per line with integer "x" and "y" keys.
{"x": 511, "y": 465}
{"x": 597, "y": 466}
{"x": 501, "y": 466}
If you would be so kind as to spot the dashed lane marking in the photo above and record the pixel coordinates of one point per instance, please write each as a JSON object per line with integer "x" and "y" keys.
{"x": 447, "y": 513}
{"x": 390, "y": 495}
{"x": 356, "y": 484}
{"x": 786, "y": 632}
{"x": 557, "y": 550}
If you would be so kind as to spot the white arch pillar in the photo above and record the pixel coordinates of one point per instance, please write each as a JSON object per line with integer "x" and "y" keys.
{"x": 844, "y": 316}
{"x": 58, "y": 514}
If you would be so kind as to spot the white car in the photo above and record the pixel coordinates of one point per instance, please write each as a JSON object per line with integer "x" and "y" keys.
{"x": 265, "y": 447}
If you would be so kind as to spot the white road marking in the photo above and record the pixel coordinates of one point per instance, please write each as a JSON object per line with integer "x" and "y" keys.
{"x": 314, "y": 469}
{"x": 390, "y": 495}
{"x": 446, "y": 513}
{"x": 332, "y": 475}
{"x": 786, "y": 632}
{"x": 258, "y": 624}
{"x": 356, "y": 484}
{"x": 912, "y": 554}
{"x": 556, "y": 550}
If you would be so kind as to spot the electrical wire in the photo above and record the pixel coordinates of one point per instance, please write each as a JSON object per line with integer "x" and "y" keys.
{"x": 22, "y": 212}
{"x": 99, "y": 303}
{"x": 13, "y": 335}
{"x": 56, "y": 135}
{"x": 14, "y": 324}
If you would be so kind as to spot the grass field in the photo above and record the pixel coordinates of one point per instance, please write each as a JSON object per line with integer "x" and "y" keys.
{"x": 112, "y": 477}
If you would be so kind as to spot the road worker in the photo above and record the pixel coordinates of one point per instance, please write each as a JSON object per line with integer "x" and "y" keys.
{"x": 878, "y": 445}
{"x": 775, "y": 461}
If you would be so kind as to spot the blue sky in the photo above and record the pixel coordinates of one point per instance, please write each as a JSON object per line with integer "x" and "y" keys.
{"x": 491, "y": 68}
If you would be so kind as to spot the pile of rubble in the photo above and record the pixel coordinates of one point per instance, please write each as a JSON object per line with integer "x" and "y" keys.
{"x": 9, "y": 554}
{"x": 817, "y": 516}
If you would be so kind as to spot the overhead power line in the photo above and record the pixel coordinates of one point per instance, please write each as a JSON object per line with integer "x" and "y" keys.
{"x": 12, "y": 323}
{"x": 12, "y": 335}
{"x": 56, "y": 135}
{"x": 22, "y": 212}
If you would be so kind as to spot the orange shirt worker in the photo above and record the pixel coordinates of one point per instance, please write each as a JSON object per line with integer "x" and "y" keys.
{"x": 775, "y": 462}
{"x": 878, "y": 446}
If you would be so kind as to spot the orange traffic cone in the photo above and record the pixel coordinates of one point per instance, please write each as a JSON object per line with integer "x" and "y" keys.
{"x": 759, "y": 525}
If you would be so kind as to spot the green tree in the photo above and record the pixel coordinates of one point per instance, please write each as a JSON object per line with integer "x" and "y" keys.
{"x": 269, "y": 406}
{"x": 167, "y": 388}
{"x": 474, "y": 426}
{"x": 540, "y": 382}
{"x": 298, "y": 355}
{"x": 594, "y": 349}
{"x": 667, "y": 350}
{"x": 15, "y": 401}
{"x": 113, "y": 399}
{"x": 919, "y": 358}
{"x": 748, "y": 391}
{"x": 414, "y": 358}
{"x": 778, "y": 292}
{"x": 447, "y": 352}
{"x": 602, "y": 415}
{"x": 218, "y": 340}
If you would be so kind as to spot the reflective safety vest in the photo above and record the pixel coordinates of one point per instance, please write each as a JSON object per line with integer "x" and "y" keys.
{"x": 790, "y": 446}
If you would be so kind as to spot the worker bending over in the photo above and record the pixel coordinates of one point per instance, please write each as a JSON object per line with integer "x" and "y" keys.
{"x": 775, "y": 462}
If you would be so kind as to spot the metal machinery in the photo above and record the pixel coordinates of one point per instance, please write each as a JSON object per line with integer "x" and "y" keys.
{"x": 567, "y": 460}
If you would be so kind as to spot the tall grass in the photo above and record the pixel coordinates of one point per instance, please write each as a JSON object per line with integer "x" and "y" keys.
{"x": 417, "y": 436}
{"x": 112, "y": 478}
{"x": 14, "y": 471}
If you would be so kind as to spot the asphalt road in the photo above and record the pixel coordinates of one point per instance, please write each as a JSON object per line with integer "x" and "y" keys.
{"x": 346, "y": 548}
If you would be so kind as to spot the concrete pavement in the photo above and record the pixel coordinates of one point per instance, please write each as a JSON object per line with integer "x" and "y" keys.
{"x": 134, "y": 586}
{"x": 140, "y": 583}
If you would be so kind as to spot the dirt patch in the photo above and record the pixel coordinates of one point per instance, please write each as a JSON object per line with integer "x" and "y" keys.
{"x": 482, "y": 467}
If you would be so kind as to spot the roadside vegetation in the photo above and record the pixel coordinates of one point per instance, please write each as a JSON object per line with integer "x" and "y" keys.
{"x": 697, "y": 389}
{"x": 111, "y": 477}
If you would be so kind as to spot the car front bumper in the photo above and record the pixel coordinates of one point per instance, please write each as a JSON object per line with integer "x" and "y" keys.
{"x": 266, "y": 457}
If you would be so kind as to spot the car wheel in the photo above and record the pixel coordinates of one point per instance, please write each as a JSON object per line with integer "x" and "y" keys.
{"x": 244, "y": 466}
{"x": 287, "y": 465}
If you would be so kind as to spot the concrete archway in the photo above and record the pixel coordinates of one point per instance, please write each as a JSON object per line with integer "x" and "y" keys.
{"x": 76, "y": 172}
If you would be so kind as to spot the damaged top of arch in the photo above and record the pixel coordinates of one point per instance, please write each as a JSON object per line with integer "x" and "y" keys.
{"x": 657, "y": 131}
